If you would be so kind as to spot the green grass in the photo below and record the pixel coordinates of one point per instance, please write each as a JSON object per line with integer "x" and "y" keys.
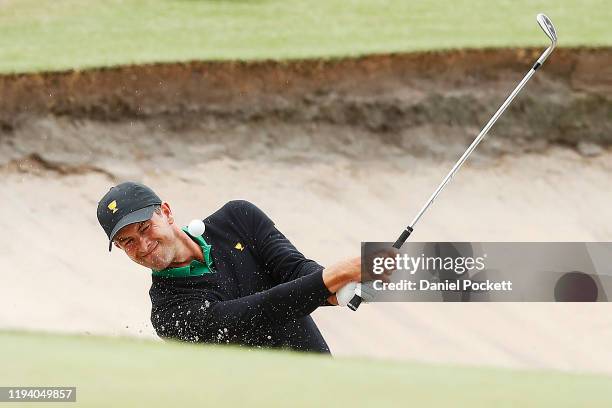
{"x": 126, "y": 372}
{"x": 42, "y": 35}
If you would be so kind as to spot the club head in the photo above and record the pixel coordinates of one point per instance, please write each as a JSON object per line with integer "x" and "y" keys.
{"x": 547, "y": 27}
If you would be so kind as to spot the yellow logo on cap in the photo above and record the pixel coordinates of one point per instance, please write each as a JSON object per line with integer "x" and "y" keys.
{"x": 113, "y": 206}
{"x": 239, "y": 246}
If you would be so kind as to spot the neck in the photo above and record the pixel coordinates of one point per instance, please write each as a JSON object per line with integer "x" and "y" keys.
{"x": 186, "y": 250}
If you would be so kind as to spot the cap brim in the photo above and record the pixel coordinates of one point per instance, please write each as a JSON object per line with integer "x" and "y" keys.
{"x": 143, "y": 214}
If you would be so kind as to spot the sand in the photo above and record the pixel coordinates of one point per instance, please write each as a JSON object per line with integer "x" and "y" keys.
{"x": 336, "y": 152}
{"x": 59, "y": 276}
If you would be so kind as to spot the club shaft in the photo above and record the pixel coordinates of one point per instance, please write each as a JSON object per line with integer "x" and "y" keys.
{"x": 354, "y": 303}
{"x": 472, "y": 147}
{"x": 408, "y": 230}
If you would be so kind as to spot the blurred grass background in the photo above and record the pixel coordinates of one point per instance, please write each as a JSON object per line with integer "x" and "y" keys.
{"x": 44, "y": 35}
{"x": 127, "y": 372}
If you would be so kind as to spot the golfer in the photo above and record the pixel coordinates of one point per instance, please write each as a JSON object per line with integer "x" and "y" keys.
{"x": 240, "y": 282}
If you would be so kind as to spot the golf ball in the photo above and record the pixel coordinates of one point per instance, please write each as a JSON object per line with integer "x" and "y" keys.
{"x": 196, "y": 228}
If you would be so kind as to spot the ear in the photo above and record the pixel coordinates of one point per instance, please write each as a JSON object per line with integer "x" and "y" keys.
{"x": 167, "y": 212}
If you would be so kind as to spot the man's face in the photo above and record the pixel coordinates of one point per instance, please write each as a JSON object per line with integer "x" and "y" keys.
{"x": 150, "y": 243}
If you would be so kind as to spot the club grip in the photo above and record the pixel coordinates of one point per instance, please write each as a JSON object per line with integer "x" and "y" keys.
{"x": 354, "y": 303}
{"x": 402, "y": 238}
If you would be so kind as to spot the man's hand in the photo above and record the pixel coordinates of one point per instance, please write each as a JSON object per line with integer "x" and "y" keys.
{"x": 332, "y": 300}
{"x": 341, "y": 273}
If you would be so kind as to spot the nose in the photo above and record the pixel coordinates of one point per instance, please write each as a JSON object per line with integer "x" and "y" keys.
{"x": 144, "y": 245}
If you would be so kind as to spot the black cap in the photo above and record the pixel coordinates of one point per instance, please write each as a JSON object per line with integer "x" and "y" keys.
{"x": 124, "y": 204}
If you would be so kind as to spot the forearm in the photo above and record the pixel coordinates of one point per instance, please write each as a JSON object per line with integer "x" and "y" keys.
{"x": 284, "y": 262}
{"x": 276, "y": 306}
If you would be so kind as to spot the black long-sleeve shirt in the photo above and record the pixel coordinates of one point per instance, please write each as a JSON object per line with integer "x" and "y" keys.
{"x": 261, "y": 292}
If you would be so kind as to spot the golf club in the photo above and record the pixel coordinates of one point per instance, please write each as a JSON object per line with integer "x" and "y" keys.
{"x": 549, "y": 30}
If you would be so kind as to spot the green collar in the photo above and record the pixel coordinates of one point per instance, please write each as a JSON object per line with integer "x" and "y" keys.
{"x": 195, "y": 268}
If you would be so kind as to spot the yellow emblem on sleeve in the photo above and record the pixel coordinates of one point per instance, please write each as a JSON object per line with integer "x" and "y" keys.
{"x": 239, "y": 246}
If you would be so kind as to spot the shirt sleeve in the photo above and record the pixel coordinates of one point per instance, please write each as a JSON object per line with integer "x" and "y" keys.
{"x": 281, "y": 258}
{"x": 201, "y": 318}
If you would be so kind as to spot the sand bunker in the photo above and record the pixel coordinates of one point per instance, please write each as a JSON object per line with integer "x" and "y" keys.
{"x": 351, "y": 156}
